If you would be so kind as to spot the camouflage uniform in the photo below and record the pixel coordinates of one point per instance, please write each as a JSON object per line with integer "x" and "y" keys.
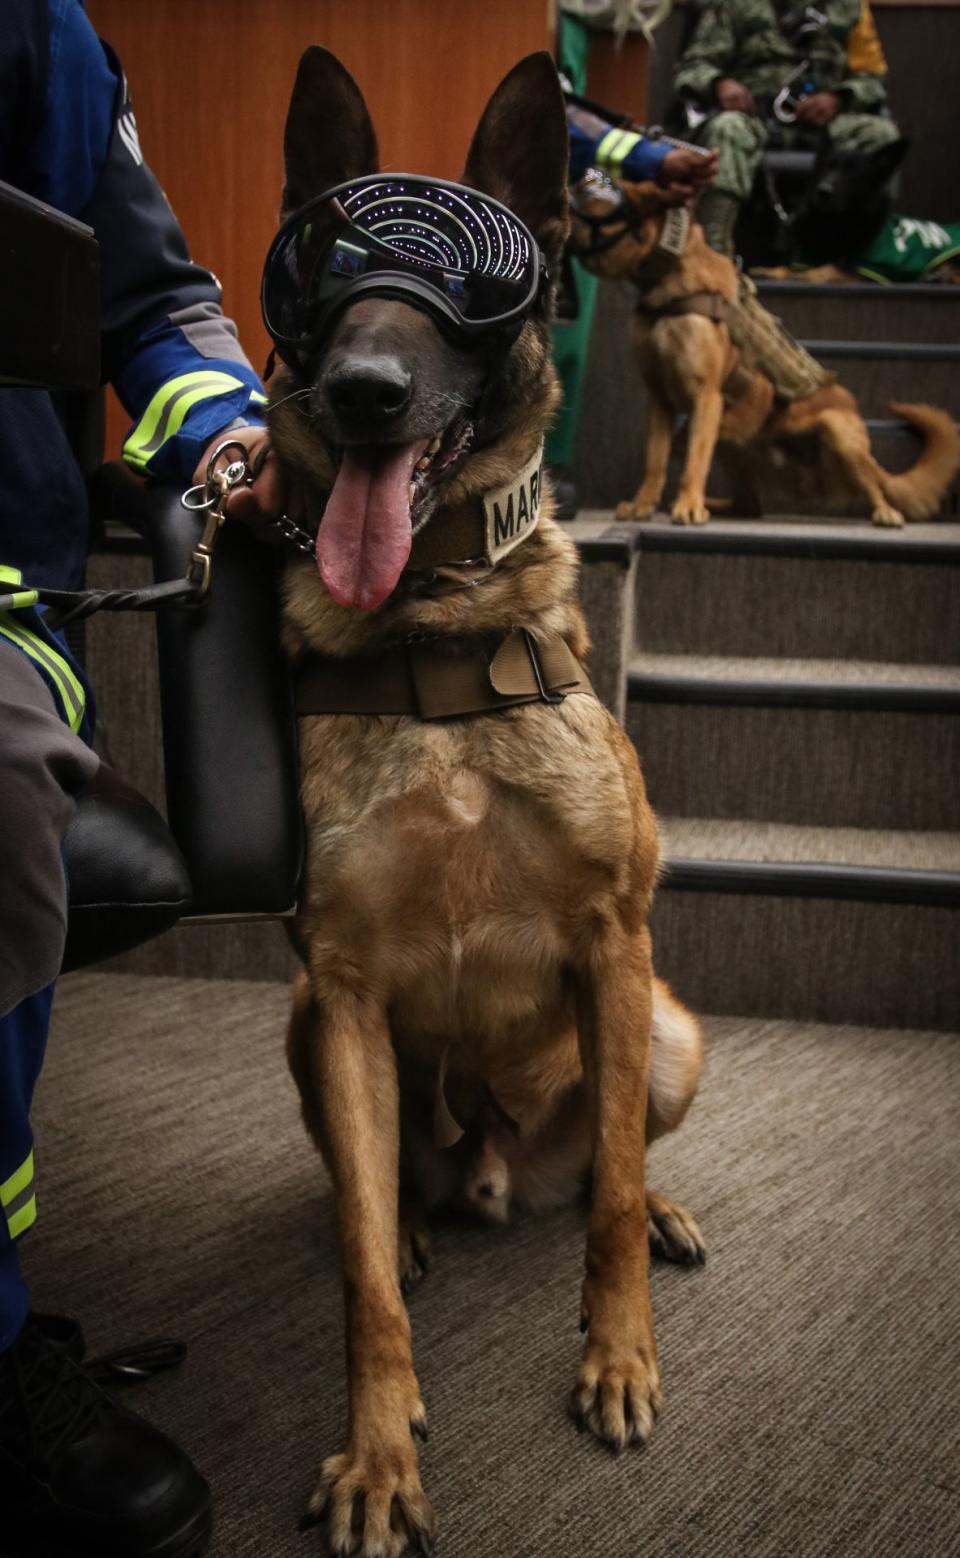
{"x": 743, "y": 39}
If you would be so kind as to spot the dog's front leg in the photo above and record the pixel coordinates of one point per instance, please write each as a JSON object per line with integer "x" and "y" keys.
{"x": 659, "y": 438}
{"x": 690, "y": 507}
{"x": 375, "y": 1482}
{"x": 617, "y": 1393}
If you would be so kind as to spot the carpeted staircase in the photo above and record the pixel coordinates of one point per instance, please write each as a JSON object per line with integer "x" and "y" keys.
{"x": 792, "y": 685}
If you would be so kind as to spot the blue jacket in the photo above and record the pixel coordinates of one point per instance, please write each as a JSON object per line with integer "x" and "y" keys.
{"x": 624, "y": 153}
{"x": 68, "y": 136}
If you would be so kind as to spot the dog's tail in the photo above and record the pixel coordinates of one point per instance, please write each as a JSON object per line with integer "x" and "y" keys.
{"x": 917, "y": 492}
{"x": 675, "y": 1060}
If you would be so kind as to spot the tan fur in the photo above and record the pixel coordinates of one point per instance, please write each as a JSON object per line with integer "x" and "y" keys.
{"x": 690, "y": 364}
{"x": 480, "y": 886}
{"x": 476, "y": 896}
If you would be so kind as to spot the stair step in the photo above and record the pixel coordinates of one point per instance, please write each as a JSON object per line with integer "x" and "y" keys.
{"x": 790, "y": 535}
{"x": 927, "y": 375}
{"x": 761, "y": 682}
{"x": 921, "y": 311}
{"x": 830, "y": 349}
{"x": 756, "y": 588}
{"x": 841, "y": 924}
{"x": 750, "y": 587}
{"x": 776, "y": 859}
{"x": 839, "y": 743}
{"x": 826, "y": 959}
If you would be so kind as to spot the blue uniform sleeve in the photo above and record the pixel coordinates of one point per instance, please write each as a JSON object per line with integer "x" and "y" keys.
{"x": 172, "y": 357}
{"x": 622, "y": 153}
{"x": 70, "y": 148}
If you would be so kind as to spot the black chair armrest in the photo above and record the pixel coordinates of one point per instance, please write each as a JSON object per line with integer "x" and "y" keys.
{"x": 789, "y": 164}
{"x": 229, "y": 727}
{"x": 126, "y": 879}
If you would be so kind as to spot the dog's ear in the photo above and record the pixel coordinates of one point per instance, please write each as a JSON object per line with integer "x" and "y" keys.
{"x": 329, "y": 136}
{"x": 519, "y": 153}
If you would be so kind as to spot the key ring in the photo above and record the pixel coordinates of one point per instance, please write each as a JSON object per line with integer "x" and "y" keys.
{"x": 236, "y": 472}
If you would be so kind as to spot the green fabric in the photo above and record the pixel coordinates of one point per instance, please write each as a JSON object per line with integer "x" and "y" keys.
{"x": 717, "y": 213}
{"x": 570, "y": 344}
{"x": 742, "y": 138}
{"x": 570, "y": 341}
{"x": 742, "y": 39}
{"x": 906, "y": 249}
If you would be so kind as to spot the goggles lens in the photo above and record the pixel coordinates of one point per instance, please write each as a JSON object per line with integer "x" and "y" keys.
{"x": 462, "y": 256}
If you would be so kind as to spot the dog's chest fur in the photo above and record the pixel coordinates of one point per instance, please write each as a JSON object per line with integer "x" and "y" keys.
{"x": 454, "y": 866}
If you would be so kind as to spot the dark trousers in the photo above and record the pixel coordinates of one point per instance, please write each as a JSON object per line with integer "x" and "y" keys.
{"x": 43, "y": 764}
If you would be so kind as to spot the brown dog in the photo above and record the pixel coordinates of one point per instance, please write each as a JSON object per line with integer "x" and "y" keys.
{"x": 477, "y": 1020}
{"x": 690, "y": 365}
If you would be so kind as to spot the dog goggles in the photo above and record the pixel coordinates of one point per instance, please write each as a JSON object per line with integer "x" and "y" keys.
{"x": 457, "y": 254}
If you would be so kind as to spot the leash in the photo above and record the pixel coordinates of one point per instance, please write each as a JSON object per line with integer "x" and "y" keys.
{"x": 75, "y": 605}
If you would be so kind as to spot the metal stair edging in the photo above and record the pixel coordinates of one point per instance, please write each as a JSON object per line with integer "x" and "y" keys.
{"x": 848, "y": 883}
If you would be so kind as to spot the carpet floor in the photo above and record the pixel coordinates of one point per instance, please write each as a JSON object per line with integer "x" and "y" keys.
{"x": 811, "y": 1370}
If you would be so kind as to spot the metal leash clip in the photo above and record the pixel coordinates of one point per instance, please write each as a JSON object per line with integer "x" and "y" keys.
{"x": 210, "y": 497}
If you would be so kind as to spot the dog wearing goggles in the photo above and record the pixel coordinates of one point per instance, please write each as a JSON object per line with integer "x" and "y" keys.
{"x": 477, "y": 1021}
{"x": 690, "y": 364}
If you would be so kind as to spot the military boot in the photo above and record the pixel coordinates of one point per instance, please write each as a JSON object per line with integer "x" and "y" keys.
{"x": 80, "y": 1476}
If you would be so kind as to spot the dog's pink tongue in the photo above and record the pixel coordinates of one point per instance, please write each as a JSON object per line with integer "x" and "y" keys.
{"x": 365, "y": 536}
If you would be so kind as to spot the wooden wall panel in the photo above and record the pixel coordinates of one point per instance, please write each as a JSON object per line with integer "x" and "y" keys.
{"x": 617, "y": 76}
{"x": 211, "y": 80}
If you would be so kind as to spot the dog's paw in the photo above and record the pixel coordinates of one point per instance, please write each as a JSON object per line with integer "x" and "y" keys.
{"x": 690, "y": 511}
{"x": 673, "y": 1232}
{"x": 633, "y": 513}
{"x": 373, "y": 1504}
{"x": 617, "y": 1392}
{"x": 885, "y": 515}
{"x": 414, "y": 1256}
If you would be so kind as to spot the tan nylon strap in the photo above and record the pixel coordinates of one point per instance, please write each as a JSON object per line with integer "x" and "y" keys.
{"x": 451, "y": 538}
{"x": 442, "y": 678}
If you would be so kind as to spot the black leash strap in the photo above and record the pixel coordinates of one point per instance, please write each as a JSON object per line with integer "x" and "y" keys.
{"x": 74, "y": 605}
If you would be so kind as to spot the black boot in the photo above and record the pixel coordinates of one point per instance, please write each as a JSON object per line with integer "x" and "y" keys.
{"x": 81, "y": 1477}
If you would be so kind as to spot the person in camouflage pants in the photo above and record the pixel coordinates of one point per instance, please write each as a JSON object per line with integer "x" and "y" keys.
{"x": 742, "y": 54}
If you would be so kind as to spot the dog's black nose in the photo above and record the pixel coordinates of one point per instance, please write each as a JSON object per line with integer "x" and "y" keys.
{"x": 368, "y": 389}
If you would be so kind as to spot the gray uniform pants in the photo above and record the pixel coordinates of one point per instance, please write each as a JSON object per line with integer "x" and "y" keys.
{"x": 42, "y": 765}
{"x": 742, "y": 138}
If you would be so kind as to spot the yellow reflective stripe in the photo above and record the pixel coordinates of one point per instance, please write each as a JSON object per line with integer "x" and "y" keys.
{"x": 72, "y": 696}
{"x": 20, "y": 597}
{"x": 165, "y": 414}
{"x": 615, "y": 147}
{"x": 19, "y": 1180}
{"x": 24, "y": 1219}
{"x": 255, "y": 396}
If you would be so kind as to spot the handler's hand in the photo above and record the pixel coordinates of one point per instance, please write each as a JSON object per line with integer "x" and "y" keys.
{"x": 269, "y": 496}
{"x": 733, "y": 95}
{"x": 687, "y": 172}
{"x": 818, "y": 108}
